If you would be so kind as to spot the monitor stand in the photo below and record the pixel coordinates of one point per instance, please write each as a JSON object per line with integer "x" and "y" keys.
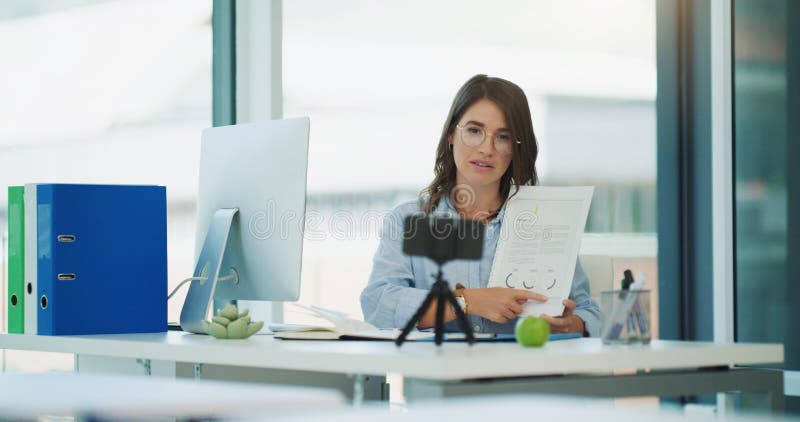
{"x": 201, "y": 293}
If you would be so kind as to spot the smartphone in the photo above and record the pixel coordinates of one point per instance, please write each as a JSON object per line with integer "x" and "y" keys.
{"x": 441, "y": 238}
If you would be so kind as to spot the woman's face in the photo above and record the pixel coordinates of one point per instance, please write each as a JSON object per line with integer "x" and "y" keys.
{"x": 483, "y": 165}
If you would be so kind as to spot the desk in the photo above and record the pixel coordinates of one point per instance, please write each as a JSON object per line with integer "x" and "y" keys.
{"x": 30, "y": 396}
{"x": 578, "y": 366}
{"x": 515, "y": 408}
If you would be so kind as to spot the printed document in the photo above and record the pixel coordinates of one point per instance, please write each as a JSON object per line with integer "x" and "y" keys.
{"x": 539, "y": 242}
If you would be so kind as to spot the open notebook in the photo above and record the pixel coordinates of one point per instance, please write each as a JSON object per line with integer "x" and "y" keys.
{"x": 340, "y": 327}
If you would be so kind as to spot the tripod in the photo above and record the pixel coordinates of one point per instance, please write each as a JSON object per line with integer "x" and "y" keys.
{"x": 443, "y": 295}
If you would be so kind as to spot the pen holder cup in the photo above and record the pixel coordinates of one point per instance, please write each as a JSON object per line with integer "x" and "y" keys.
{"x": 626, "y": 316}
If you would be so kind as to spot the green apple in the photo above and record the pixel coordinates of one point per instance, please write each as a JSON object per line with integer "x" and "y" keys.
{"x": 532, "y": 331}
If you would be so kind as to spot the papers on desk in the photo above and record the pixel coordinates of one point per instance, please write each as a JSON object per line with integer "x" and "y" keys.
{"x": 539, "y": 243}
{"x": 502, "y": 337}
{"x": 343, "y": 328}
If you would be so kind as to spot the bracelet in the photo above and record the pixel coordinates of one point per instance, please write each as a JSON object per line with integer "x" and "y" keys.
{"x": 458, "y": 293}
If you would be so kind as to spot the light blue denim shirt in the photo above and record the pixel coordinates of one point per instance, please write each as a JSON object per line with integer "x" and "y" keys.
{"x": 399, "y": 283}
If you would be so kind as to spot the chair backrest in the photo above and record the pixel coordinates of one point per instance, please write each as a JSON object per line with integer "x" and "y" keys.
{"x": 600, "y": 270}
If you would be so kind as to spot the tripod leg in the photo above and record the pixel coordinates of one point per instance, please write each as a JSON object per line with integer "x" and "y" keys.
{"x": 461, "y": 317}
{"x": 415, "y": 319}
{"x": 439, "y": 327}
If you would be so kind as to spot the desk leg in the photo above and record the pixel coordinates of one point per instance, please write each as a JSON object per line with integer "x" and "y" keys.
{"x": 93, "y": 364}
{"x": 358, "y": 390}
{"x": 750, "y": 401}
{"x": 146, "y": 366}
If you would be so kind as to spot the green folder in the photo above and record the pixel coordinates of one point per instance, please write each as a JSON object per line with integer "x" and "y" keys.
{"x": 16, "y": 259}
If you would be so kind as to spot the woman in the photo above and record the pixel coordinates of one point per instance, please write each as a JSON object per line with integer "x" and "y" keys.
{"x": 487, "y": 147}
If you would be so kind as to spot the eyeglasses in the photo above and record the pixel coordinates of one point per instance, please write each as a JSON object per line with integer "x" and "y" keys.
{"x": 474, "y": 135}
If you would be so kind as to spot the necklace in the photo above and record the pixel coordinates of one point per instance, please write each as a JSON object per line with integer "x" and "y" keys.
{"x": 485, "y": 216}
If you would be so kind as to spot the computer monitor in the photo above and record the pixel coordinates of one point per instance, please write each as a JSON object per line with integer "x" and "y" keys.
{"x": 250, "y": 216}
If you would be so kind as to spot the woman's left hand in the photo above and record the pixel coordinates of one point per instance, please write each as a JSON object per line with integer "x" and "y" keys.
{"x": 567, "y": 322}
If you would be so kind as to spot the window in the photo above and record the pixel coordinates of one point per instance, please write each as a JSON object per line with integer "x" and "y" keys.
{"x": 765, "y": 176}
{"x": 108, "y": 92}
{"x": 377, "y": 80}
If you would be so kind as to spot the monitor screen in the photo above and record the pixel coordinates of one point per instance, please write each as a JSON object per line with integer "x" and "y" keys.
{"x": 257, "y": 172}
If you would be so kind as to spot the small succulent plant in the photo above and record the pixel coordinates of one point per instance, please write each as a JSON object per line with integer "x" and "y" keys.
{"x": 229, "y": 323}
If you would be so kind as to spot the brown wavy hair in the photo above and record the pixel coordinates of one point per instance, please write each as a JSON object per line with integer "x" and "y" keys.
{"x": 514, "y": 104}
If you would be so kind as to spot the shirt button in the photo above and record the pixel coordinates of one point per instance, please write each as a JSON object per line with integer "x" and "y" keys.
{"x": 477, "y": 328}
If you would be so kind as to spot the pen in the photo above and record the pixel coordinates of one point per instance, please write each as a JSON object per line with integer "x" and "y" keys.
{"x": 621, "y": 309}
{"x": 628, "y": 280}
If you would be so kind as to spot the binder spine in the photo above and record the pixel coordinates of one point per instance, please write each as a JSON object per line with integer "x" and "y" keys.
{"x": 83, "y": 240}
{"x": 45, "y": 290}
{"x": 16, "y": 259}
{"x": 30, "y": 261}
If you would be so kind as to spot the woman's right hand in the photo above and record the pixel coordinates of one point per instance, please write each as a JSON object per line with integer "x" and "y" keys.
{"x": 499, "y": 304}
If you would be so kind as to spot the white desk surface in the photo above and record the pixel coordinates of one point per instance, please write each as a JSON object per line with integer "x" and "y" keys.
{"x": 520, "y": 408}
{"x": 28, "y": 396}
{"x": 451, "y": 361}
